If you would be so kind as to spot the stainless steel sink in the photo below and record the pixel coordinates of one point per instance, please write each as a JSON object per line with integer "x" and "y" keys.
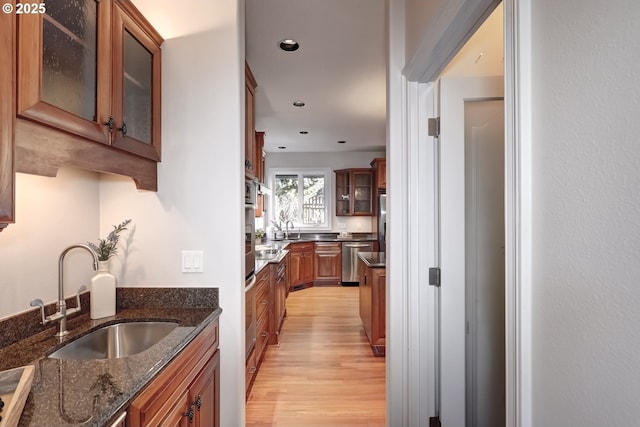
{"x": 267, "y": 254}
{"x": 115, "y": 341}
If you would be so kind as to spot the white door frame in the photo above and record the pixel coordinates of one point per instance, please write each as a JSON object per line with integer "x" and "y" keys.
{"x": 409, "y": 401}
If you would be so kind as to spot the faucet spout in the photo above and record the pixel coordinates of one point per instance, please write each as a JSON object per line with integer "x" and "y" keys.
{"x": 286, "y": 225}
{"x": 62, "y": 305}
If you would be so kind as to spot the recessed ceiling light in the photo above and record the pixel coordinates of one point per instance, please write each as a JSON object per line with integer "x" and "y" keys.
{"x": 298, "y": 103}
{"x": 304, "y": 132}
{"x": 342, "y": 142}
{"x": 282, "y": 147}
{"x": 288, "y": 45}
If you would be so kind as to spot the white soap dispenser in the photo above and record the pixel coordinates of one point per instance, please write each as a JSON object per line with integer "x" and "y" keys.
{"x": 103, "y": 292}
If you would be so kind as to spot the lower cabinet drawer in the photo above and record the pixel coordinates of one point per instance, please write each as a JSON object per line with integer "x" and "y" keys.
{"x": 262, "y": 337}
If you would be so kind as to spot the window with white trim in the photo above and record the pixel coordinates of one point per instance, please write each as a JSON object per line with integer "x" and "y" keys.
{"x": 301, "y": 197}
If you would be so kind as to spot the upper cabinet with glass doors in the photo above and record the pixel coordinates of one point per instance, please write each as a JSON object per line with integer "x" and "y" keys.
{"x": 92, "y": 68}
{"x": 354, "y": 192}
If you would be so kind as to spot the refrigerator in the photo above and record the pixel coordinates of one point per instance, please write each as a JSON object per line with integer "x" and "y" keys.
{"x": 382, "y": 222}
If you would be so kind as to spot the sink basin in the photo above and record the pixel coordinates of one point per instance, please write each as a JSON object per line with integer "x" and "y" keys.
{"x": 267, "y": 254}
{"x": 115, "y": 341}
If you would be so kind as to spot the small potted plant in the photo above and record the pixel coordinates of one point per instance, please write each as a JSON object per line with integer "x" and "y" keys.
{"x": 260, "y": 234}
{"x": 108, "y": 247}
{"x": 103, "y": 284}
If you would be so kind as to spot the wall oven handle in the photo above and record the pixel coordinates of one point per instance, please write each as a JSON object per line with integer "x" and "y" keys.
{"x": 251, "y": 284}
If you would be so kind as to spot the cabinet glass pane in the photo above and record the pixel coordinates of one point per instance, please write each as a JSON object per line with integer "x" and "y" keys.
{"x": 69, "y": 45}
{"x": 138, "y": 75}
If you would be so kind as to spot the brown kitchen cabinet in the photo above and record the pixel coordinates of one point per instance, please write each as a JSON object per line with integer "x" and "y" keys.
{"x": 327, "y": 263}
{"x": 187, "y": 391}
{"x": 354, "y": 192}
{"x": 379, "y": 165}
{"x": 7, "y": 118}
{"x": 92, "y": 69}
{"x": 280, "y": 290}
{"x": 373, "y": 305}
{"x": 300, "y": 264}
{"x": 264, "y": 307}
{"x": 250, "y": 122}
{"x": 259, "y": 162}
{"x": 67, "y": 90}
{"x": 259, "y": 156}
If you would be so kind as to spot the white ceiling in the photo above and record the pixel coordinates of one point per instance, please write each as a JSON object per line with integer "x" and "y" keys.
{"x": 339, "y": 72}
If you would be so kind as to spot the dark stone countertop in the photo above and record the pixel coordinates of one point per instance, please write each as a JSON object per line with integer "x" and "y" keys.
{"x": 374, "y": 259}
{"x": 273, "y": 258}
{"x": 93, "y": 392}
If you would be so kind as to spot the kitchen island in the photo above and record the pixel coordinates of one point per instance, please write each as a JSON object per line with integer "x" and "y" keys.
{"x": 95, "y": 392}
{"x": 373, "y": 299}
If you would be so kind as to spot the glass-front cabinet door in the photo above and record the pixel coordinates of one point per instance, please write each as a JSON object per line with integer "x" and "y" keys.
{"x": 136, "y": 84}
{"x": 64, "y": 67}
{"x": 362, "y": 194}
{"x": 92, "y": 68}
{"x": 343, "y": 193}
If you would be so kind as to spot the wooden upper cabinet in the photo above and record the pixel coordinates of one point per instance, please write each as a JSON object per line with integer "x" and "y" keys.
{"x": 250, "y": 123}
{"x": 7, "y": 119}
{"x": 259, "y": 156}
{"x": 136, "y": 82}
{"x": 64, "y": 59}
{"x": 379, "y": 166}
{"x": 354, "y": 192}
{"x": 92, "y": 69}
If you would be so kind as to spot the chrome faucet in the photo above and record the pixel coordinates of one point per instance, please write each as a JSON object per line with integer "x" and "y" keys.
{"x": 286, "y": 225}
{"x": 61, "y": 306}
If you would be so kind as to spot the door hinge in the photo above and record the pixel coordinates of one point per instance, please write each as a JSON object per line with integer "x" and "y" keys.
{"x": 434, "y": 422}
{"x": 434, "y": 276}
{"x": 433, "y": 126}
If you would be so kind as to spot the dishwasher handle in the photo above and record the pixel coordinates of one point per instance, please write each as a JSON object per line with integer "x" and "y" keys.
{"x": 358, "y": 245}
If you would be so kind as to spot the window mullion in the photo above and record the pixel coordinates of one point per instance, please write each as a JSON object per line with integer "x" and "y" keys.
{"x": 300, "y": 199}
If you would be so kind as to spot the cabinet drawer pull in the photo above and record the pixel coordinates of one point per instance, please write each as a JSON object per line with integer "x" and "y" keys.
{"x": 265, "y": 333}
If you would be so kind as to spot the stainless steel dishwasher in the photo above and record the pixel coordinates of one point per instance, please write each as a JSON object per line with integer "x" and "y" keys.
{"x": 350, "y": 272}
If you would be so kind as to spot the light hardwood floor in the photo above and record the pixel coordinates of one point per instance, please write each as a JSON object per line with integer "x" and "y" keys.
{"x": 323, "y": 373}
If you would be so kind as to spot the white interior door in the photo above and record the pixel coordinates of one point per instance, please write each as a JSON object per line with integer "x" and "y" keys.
{"x": 453, "y": 95}
{"x": 485, "y": 262}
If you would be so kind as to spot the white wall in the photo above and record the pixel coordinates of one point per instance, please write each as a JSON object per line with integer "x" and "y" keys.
{"x": 51, "y": 214}
{"x": 586, "y": 211}
{"x": 199, "y": 203}
{"x": 333, "y": 161}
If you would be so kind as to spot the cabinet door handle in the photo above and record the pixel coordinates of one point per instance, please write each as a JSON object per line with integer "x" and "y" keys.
{"x": 110, "y": 124}
{"x": 198, "y": 402}
{"x": 190, "y": 414}
{"x": 123, "y": 129}
{"x": 265, "y": 333}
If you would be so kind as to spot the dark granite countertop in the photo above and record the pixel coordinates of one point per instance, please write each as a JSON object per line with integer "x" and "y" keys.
{"x": 270, "y": 259}
{"x": 374, "y": 259}
{"x": 94, "y": 392}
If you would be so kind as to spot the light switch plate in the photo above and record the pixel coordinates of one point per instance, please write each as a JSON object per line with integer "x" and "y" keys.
{"x": 192, "y": 262}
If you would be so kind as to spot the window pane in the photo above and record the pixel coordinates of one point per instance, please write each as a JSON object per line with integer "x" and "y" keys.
{"x": 138, "y": 75}
{"x": 313, "y": 207}
{"x": 286, "y": 198}
{"x": 69, "y": 46}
